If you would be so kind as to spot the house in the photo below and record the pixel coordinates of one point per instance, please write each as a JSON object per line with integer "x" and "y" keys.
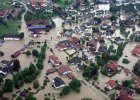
{"x": 75, "y": 40}
{"x": 23, "y": 94}
{"x": 11, "y": 37}
{"x": 80, "y": 46}
{"x": 101, "y": 40}
{"x": 123, "y": 96}
{"x": 130, "y": 24}
{"x": 58, "y": 82}
{"x": 92, "y": 43}
{"x": 74, "y": 60}
{"x": 69, "y": 33}
{"x": 7, "y": 63}
{"x": 118, "y": 40}
{"x": 87, "y": 54}
{"x": 43, "y": 4}
{"x": 52, "y": 70}
{"x": 80, "y": 68}
{"x": 11, "y": 2}
{"x": 65, "y": 47}
{"x": 113, "y": 67}
{"x": 130, "y": 92}
{"x": 54, "y": 60}
{"x": 14, "y": 55}
{"x": 82, "y": 8}
{"x": 31, "y": 43}
{"x": 89, "y": 25}
{"x": 6, "y": 70}
{"x": 70, "y": 75}
{"x": 4, "y": 12}
{"x": 137, "y": 82}
{"x": 111, "y": 84}
{"x": 64, "y": 69}
{"x": 2, "y": 73}
{"x": 102, "y": 48}
{"x": 76, "y": 30}
{"x": 126, "y": 70}
{"x": 137, "y": 33}
{"x": 38, "y": 28}
{"x": 136, "y": 50}
{"x": 64, "y": 42}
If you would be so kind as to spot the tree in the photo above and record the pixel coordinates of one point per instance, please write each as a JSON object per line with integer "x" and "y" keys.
{"x": 28, "y": 53}
{"x": 74, "y": 84}
{"x": 30, "y": 97}
{"x": 126, "y": 61}
{"x": 21, "y": 35}
{"x": 35, "y": 52}
{"x": 8, "y": 86}
{"x": 40, "y": 65}
{"x": 1, "y": 79}
{"x": 113, "y": 18}
{"x": 19, "y": 98}
{"x": 66, "y": 90}
{"x": 36, "y": 84}
{"x": 32, "y": 68}
{"x": 47, "y": 29}
{"x": 126, "y": 83}
{"x": 138, "y": 90}
{"x": 16, "y": 65}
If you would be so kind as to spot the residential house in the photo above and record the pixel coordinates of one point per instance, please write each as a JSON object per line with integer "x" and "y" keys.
{"x": 101, "y": 40}
{"x": 76, "y": 30}
{"x": 64, "y": 42}
{"x": 7, "y": 63}
{"x": 136, "y": 50}
{"x": 102, "y": 48}
{"x": 113, "y": 67}
{"x": 137, "y": 83}
{"x": 111, "y": 84}
{"x": 118, "y": 40}
{"x": 130, "y": 92}
{"x": 23, "y": 93}
{"x": 11, "y": 37}
{"x": 137, "y": 33}
{"x": 31, "y": 43}
{"x": 75, "y": 60}
{"x": 80, "y": 46}
{"x": 52, "y": 70}
{"x": 123, "y": 96}
{"x": 58, "y": 82}
{"x": 82, "y": 8}
{"x": 75, "y": 40}
{"x": 70, "y": 75}
{"x": 65, "y": 47}
{"x": 54, "y": 60}
{"x": 11, "y": 2}
{"x": 64, "y": 70}
{"x": 130, "y": 24}
{"x": 80, "y": 68}
{"x": 89, "y": 25}
{"x": 2, "y": 73}
{"x": 92, "y": 43}
{"x": 87, "y": 54}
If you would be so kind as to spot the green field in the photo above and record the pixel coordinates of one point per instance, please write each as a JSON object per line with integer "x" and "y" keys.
{"x": 7, "y": 5}
{"x": 13, "y": 27}
{"x": 65, "y": 3}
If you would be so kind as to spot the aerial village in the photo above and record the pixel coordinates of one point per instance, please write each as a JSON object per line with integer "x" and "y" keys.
{"x": 69, "y": 49}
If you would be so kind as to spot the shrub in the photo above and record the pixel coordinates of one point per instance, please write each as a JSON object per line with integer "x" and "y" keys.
{"x": 126, "y": 61}
{"x": 36, "y": 84}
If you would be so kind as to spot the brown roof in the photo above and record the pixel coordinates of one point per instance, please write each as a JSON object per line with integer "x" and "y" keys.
{"x": 136, "y": 51}
{"x": 70, "y": 75}
{"x": 111, "y": 83}
{"x": 124, "y": 96}
{"x": 63, "y": 69}
{"x": 113, "y": 67}
{"x": 125, "y": 89}
{"x": 51, "y": 70}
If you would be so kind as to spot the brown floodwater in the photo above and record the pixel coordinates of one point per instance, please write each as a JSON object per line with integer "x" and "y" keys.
{"x": 87, "y": 90}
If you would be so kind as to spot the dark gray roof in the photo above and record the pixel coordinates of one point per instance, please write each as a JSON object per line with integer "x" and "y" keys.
{"x": 74, "y": 60}
{"x": 58, "y": 81}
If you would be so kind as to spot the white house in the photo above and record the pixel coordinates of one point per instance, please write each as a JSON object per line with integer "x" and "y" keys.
{"x": 111, "y": 84}
{"x": 11, "y": 37}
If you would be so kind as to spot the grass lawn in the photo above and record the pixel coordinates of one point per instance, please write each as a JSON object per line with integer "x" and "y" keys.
{"x": 62, "y": 3}
{"x": 7, "y": 5}
{"x": 13, "y": 27}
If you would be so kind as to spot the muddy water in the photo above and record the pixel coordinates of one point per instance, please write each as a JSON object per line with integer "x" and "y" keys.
{"x": 87, "y": 89}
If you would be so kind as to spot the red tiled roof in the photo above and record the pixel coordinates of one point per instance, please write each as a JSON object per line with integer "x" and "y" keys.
{"x": 113, "y": 67}
{"x": 70, "y": 75}
{"x": 136, "y": 51}
{"x": 111, "y": 83}
{"x": 53, "y": 58}
{"x": 18, "y": 52}
{"x": 75, "y": 40}
{"x": 63, "y": 69}
{"x": 124, "y": 96}
{"x": 64, "y": 46}
{"x": 80, "y": 46}
{"x": 125, "y": 89}
{"x": 62, "y": 33}
{"x": 51, "y": 70}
